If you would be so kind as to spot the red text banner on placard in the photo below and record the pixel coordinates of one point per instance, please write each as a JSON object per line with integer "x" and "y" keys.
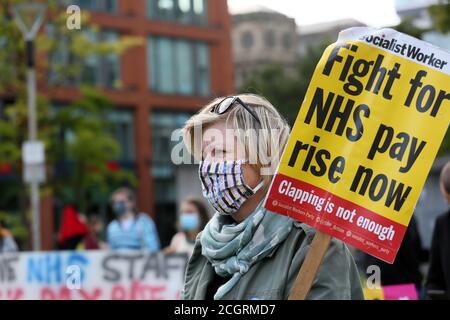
{"x": 349, "y": 222}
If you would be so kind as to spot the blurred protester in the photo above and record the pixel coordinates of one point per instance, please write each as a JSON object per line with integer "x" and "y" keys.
{"x": 130, "y": 230}
{"x": 192, "y": 219}
{"x": 438, "y": 280}
{"x": 73, "y": 229}
{"x": 92, "y": 239}
{"x": 406, "y": 267}
{"x": 7, "y": 243}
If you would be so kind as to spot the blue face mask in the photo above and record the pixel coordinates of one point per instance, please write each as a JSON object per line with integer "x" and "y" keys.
{"x": 119, "y": 208}
{"x": 189, "y": 221}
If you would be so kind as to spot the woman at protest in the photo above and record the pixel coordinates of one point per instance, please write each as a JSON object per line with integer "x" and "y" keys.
{"x": 246, "y": 251}
{"x": 130, "y": 230}
{"x": 192, "y": 219}
{"x": 7, "y": 243}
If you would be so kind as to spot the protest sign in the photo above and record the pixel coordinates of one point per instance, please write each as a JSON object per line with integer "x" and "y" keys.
{"x": 368, "y": 130}
{"x": 91, "y": 275}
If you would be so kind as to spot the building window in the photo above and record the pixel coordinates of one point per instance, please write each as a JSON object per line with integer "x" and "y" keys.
{"x": 120, "y": 126}
{"x": 269, "y": 39}
{"x": 180, "y": 11}
{"x": 95, "y": 70}
{"x": 247, "y": 40}
{"x": 163, "y": 124}
{"x": 122, "y": 129}
{"x": 101, "y": 70}
{"x": 109, "y": 6}
{"x": 287, "y": 41}
{"x": 178, "y": 66}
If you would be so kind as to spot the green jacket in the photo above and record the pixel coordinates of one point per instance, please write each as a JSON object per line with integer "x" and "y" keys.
{"x": 273, "y": 277}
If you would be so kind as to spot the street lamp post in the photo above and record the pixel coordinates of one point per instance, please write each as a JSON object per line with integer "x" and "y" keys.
{"x": 29, "y": 17}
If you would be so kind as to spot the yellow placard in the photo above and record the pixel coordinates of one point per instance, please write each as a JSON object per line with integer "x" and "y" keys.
{"x": 366, "y": 135}
{"x": 416, "y": 136}
{"x": 373, "y": 294}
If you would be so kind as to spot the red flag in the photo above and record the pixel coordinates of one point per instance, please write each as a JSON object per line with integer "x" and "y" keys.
{"x": 71, "y": 225}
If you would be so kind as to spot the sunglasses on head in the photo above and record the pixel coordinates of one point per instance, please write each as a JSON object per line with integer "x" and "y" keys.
{"x": 227, "y": 103}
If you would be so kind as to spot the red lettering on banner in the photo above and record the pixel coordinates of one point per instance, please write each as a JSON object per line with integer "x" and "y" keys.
{"x": 353, "y": 224}
{"x": 55, "y": 294}
{"x": 48, "y": 293}
{"x": 95, "y": 294}
{"x": 138, "y": 291}
{"x": 11, "y": 294}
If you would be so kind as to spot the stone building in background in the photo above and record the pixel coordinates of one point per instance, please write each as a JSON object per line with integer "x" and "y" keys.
{"x": 261, "y": 36}
{"x": 322, "y": 33}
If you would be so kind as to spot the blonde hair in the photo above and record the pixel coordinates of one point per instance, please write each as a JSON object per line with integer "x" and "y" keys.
{"x": 271, "y": 136}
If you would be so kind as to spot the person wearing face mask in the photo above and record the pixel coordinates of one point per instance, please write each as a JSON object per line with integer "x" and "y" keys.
{"x": 192, "y": 219}
{"x": 7, "y": 243}
{"x": 130, "y": 230}
{"x": 246, "y": 251}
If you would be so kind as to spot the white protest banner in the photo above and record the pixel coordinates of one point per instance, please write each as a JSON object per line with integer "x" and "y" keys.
{"x": 91, "y": 275}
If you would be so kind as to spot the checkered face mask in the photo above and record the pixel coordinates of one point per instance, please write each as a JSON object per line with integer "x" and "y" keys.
{"x": 223, "y": 185}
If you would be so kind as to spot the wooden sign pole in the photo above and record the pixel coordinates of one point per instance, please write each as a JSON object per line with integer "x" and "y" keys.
{"x": 310, "y": 266}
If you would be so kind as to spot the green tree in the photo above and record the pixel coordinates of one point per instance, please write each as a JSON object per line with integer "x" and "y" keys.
{"x": 285, "y": 90}
{"x": 407, "y": 26}
{"x": 440, "y": 14}
{"x": 90, "y": 147}
{"x": 272, "y": 83}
